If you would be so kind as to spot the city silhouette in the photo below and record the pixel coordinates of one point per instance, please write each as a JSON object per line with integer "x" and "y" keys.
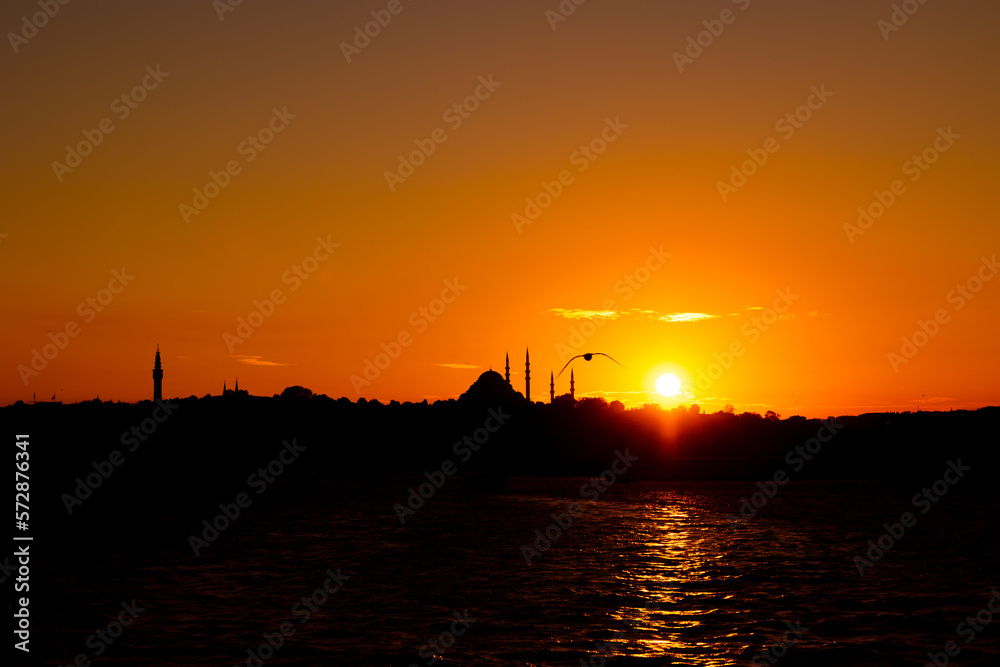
{"x": 282, "y": 283}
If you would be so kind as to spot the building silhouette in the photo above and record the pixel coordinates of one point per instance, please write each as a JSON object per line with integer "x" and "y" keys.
{"x": 490, "y": 379}
{"x": 527, "y": 373}
{"x": 235, "y": 391}
{"x": 527, "y": 376}
{"x": 157, "y": 377}
{"x": 493, "y": 386}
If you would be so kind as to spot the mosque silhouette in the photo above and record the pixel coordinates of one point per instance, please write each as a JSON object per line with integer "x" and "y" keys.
{"x": 488, "y": 387}
{"x": 491, "y": 386}
{"x": 236, "y": 392}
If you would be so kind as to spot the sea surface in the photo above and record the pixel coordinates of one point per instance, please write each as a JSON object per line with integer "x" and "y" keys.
{"x": 651, "y": 573}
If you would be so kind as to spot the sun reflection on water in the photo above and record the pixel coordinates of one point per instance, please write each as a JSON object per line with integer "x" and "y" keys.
{"x": 675, "y": 570}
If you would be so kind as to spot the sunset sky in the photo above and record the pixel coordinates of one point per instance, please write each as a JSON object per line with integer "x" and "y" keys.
{"x": 641, "y": 247}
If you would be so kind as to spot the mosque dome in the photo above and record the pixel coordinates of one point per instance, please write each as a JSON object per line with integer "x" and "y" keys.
{"x": 489, "y": 387}
{"x": 490, "y": 380}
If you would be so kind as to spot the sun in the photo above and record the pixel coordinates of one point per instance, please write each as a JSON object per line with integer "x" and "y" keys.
{"x": 668, "y": 384}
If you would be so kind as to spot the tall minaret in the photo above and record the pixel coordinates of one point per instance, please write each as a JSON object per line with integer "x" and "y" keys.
{"x": 508, "y": 368}
{"x": 527, "y": 376}
{"x": 572, "y": 385}
{"x": 157, "y": 377}
{"x": 552, "y": 388}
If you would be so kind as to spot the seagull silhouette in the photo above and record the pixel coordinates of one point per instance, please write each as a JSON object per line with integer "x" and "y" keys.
{"x": 587, "y": 357}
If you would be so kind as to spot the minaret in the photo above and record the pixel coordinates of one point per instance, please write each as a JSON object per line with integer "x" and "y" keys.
{"x": 508, "y": 368}
{"x": 157, "y": 377}
{"x": 527, "y": 376}
{"x": 552, "y": 388}
{"x": 236, "y": 389}
{"x": 223, "y": 387}
{"x": 572, "y": 385}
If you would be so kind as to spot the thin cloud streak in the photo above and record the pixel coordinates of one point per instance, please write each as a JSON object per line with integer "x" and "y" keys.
{"x": 257, "y": 360}
{"x": 633, "y": 313}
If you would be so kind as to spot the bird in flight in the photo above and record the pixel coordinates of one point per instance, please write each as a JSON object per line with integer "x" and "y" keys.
{"x": 587, "y": 357}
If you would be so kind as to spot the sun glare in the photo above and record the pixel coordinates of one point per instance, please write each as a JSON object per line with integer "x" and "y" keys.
{"x": 668, "y": 384}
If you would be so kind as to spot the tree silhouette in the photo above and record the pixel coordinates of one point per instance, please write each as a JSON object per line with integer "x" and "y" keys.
{"x": 296, "y": 391}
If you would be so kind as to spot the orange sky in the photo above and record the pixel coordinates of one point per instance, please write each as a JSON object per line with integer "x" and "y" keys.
{"x": 676, "y": 128}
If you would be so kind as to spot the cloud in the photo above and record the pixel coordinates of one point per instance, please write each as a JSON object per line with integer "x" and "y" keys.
{"x": 256, "y": 360}
{"x": 686, "y": 317}
{"x": 457, "y": 365}
{"x": 580, "y": 314}
{"x": 933, "y": 399}
{"x": 634, "y": 313}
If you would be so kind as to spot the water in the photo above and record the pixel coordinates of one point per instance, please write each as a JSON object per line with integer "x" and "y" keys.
{"x": 650, "y": 574}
